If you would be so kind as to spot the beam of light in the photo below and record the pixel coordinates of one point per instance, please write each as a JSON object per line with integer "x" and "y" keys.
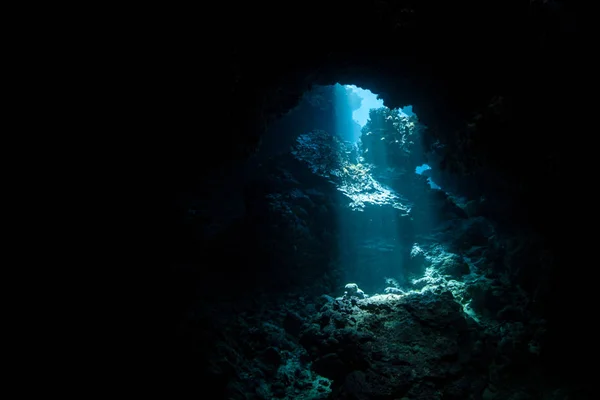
{"x": 367, "y": 221}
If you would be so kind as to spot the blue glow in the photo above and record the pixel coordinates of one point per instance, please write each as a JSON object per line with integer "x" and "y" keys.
{"x": 369, "y": 101}
{"x": 421, "y": 168}
{"x": 432, "y": 184}
{"x": 407, "y": 111}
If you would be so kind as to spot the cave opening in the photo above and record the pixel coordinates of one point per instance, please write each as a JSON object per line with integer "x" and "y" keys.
{"x": 351, "y": 183}
{"x": 367, "y": 101}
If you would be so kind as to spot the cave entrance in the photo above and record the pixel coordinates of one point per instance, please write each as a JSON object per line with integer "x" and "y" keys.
{"x": 369, "y": 154}
{"x": 347, "y": 189}
{"x": 368, "y": 101}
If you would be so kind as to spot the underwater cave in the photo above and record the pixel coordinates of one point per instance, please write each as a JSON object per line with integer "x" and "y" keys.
{"x": 377, "y": 217}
